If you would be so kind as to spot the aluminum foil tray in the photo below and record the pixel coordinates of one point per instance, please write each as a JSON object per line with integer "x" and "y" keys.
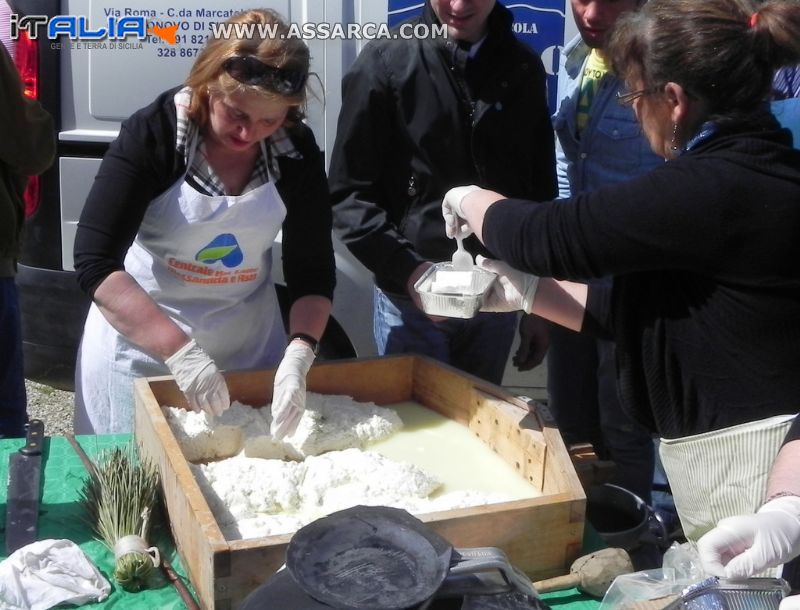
{"x": 720, "y": 594}
{"x": 464, "y": 303}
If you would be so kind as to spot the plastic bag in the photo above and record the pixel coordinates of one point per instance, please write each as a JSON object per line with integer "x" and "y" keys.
{"x": 652, "y": 589}
{"x": 685, "y": 560}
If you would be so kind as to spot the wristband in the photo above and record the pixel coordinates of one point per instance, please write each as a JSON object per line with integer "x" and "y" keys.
{"x": 306, "y": 338}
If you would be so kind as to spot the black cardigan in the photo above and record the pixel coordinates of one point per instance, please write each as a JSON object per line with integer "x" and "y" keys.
{"x": 705, "y": 303}
{"x": 142, "y": 163}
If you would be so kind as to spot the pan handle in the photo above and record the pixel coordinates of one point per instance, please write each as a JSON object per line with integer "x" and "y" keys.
{"x": 482, "y": 559}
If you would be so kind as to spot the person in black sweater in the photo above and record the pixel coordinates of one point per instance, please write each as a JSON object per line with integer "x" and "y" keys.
{"x": 703, "y": 251}
{"x": 174, "y": 243}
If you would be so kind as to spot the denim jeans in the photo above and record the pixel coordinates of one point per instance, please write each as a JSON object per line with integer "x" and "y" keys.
{"x": 478, "y": 345}
{"x": 13, "y": 401}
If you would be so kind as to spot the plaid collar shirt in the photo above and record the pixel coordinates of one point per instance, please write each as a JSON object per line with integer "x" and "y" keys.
{"x": 202, "y": 176}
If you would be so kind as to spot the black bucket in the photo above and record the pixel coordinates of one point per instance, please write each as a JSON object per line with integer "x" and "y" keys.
{"x": 623, "y": 520}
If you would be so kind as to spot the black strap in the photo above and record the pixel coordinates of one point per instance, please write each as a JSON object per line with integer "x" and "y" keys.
{"x": 312, "y": 342}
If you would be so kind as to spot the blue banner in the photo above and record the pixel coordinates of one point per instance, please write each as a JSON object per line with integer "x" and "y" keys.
{"x": 539, "y": 24}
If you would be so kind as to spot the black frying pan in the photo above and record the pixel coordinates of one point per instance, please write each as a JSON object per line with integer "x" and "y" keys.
{"x": 369, "y": 558}
{"x": 382, "y": 558}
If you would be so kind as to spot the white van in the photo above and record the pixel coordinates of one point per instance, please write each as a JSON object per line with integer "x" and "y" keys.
{"x": 91, "y": 86}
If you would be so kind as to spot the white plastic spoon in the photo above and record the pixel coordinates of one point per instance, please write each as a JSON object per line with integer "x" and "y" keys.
{"x": 462, "y": 260}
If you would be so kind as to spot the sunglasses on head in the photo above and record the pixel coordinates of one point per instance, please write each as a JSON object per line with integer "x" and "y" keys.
{"x": 250, "y": 71}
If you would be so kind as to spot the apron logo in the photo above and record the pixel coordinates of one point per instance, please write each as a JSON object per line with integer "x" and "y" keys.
{"x": 223, "y": 248}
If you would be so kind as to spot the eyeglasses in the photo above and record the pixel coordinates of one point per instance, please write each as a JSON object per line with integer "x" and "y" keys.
{"x": 627, "y": 98}
{"x": 250, "y": 71}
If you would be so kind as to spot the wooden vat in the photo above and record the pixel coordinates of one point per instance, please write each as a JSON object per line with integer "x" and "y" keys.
{"x": 541, "y": 535}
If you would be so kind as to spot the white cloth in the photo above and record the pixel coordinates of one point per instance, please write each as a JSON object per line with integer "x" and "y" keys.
{"x": 207, "y": 262}
{"x": 47, "y": 573}
{"x": 723, "y": 473}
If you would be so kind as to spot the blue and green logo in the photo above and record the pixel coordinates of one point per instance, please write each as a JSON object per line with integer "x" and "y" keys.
{"x": 223, "y": 248}
{"x": 77, "y": 27}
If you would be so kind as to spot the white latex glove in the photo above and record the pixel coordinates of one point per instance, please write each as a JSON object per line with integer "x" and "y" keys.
{"x": 454, "y": 223}
{"x": 289, "y": 391}
{"x": 790, "y": 603}
{"x": 747, "y": 544}
{"x": 514, "y": 290}
{"x": 199, "y": 379}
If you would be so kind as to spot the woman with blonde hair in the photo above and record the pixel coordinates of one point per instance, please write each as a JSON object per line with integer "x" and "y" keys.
{"x": 174, "y": 244}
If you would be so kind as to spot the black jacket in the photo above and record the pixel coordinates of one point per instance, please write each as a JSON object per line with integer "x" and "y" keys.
{"x": 408, "y": 132}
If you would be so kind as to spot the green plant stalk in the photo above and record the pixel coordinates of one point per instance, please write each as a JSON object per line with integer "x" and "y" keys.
{"x": 118, "y": 497}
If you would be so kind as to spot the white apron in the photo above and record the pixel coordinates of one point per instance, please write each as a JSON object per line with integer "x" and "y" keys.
{"x": 207, "y": 261}
{"x": 722, "y": 473}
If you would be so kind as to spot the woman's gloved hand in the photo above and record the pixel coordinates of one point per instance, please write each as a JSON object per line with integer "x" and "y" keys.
{"x": 289, "y": 391}
{"x": 747, "y": 544}
{"x": 199, "y": 379}
{"x": 514, "y": 290}
{"x": 454, "y": 223}
{"x": 790, "y": 603}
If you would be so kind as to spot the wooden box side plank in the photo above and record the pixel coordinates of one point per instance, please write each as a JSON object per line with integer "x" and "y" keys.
{"x": 194, "y": 528}
{"x": 560, "y": 473}
{"x": 379, "y": 380}
{"x": 249, "y": 567}
{"x": 514, "y": 433}
{"x": 541, "y": 551}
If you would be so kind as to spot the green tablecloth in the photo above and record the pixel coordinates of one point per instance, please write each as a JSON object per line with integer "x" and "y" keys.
{"x": 62, "y": 517}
